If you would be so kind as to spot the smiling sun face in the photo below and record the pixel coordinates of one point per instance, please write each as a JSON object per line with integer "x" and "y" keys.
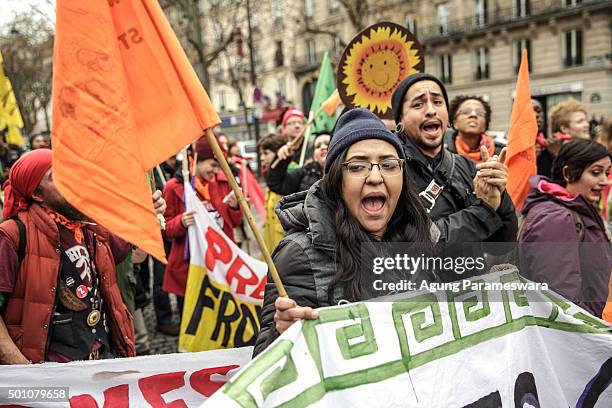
{"x": 372, "y": 66}
{"x": 380, "y": 71}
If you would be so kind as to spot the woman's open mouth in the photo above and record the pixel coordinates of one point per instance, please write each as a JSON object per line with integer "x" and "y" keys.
{"x": 373, "y": 204}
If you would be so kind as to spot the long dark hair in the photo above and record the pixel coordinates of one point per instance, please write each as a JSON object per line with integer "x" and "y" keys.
{"x": 577, "y": 155}
{"x": 409, "y": 223}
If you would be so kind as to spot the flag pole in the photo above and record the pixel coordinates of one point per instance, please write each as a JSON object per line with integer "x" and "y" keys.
{"x": 246, "y": 210}
{"x": 301, "y": 135}
{"x": 306, "y": 142}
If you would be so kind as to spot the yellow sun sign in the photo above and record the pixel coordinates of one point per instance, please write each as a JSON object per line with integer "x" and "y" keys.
{"x": 374, "y": 63}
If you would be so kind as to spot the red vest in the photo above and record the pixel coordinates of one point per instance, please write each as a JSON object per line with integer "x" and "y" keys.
{"x": 29, "y": 309}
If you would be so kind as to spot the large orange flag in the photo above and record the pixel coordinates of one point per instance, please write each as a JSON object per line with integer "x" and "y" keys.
{"x": 522, "y": 132}
{"x": 125, "y": 98}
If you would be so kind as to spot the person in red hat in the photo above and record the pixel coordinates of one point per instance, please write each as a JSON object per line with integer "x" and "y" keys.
{"x": 213, "y": 188}
{"x": 59, "y": 298}
{"x": 292, "y": 126}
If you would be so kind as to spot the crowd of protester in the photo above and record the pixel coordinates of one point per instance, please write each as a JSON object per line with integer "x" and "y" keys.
{"x": 438, "y": 177}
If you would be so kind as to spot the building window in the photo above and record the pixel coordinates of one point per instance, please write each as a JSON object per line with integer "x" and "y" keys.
{"x": 308, "y": 8}
{"x": 221, "y": 97}
{"x": 336, "y": 47}
{"x": 572, "y": 54}
{"x": 481, "y": 63}
{"x": 280, "y": 82}
{"x": 411, "y": 24}
{"x": 572, "y": 3}
{"x": 480, "y": 13}
{"x": 217, "y": 31}
{"x": 443, "y": 15}
{"x": 279, "y": 59}
{"x": 311, "y": 57}
{"x": 522, "y": 8}
{"x": 334, "y": 6}
{"x": 277, "y": 14}
{"x": 520, "y": 45}
{"x": 253, "y": 13}
{"x": 446, "y": 68}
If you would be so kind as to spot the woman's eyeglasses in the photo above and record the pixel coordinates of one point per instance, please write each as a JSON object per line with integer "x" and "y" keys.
{"x": 468, "y": 111}
{"x": 362, "y": 169}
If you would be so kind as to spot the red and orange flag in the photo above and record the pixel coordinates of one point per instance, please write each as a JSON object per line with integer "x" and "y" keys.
{"x": 125, "y": 98}
{"x": 522, "y": 132}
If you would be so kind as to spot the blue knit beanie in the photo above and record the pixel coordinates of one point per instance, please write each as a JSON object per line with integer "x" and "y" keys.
{"x": 354, "y": 126}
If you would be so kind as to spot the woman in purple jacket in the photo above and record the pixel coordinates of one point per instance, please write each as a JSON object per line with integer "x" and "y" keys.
{"x": 568, "y": 245}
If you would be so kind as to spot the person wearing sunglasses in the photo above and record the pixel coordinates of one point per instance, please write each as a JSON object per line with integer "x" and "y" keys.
{"x": 470, "y": 117}
{"x": 365, "y": 196}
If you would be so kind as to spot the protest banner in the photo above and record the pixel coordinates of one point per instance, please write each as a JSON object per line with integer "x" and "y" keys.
{"x": 225, "y": 287}
{"x": 478, "y": 346}
{"x": 177, "y": 380}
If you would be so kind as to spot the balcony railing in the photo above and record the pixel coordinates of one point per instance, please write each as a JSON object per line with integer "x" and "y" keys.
{"x": 500, "y": 16}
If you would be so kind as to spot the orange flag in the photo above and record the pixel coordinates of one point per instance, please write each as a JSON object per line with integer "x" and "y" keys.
{"x": 331, "y": 104}
{"x": 125, "y": 98}
{"x": 522, "y": 132}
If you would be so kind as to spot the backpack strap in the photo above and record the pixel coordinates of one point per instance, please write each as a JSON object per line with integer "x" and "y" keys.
{"x": 16, "y": 231}
{"x": 579, "y": 224}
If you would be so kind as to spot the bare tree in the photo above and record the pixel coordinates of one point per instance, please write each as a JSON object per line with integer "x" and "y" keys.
{"x": 190, "y": 18}
{"x": 27, "y": 47}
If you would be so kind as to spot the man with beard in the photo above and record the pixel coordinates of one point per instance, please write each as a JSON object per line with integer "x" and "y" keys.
{"x": 59, "y": 298}
{"x": 467, "y": 201}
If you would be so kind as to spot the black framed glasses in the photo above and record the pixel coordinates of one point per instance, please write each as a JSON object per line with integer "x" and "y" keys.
{"x": 362, "y": 169}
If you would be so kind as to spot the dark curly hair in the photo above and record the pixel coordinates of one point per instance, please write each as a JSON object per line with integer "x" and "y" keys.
{"x": 458, "y": 101}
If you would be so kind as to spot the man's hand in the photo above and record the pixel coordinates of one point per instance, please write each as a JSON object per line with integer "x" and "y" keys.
{"x": 159, "y": 204}
{"x": 288, "y": 312}
{"x": 9, "y": 353}
{"x": 285, "y": 152}
{"x": 493, "y": 169}
{"x": 187, "y": 219}
{"x": 491, "y": 178}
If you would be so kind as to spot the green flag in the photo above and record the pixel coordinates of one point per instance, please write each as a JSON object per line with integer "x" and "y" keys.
{"x": 326, "y": 84}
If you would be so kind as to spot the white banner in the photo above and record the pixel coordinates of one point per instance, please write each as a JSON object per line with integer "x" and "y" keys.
{"x": 182, "y": 380}
{"x": 225, "y": 287}
{"x": 492, "y": 343}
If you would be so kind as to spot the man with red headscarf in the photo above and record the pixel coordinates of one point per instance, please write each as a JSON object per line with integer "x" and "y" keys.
{"x": 59, "y": 299}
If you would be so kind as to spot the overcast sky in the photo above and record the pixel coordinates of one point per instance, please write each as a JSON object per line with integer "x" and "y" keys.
{"x": 8, "y": 9}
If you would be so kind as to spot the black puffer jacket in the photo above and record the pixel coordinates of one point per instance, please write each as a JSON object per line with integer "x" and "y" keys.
{"x": 284, "y": 182}
{"x": 458, "y": 213}
{"x": 305, "y": 259}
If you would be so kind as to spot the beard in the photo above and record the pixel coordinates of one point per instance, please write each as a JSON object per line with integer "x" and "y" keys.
{"x": 63, "y": 207}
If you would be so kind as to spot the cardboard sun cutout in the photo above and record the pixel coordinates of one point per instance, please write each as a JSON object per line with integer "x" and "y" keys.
{"x": 374, "y": 63}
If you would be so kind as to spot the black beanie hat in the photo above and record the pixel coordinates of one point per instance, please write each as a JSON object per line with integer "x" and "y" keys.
{"x": 354, "y": 126}
{"x": 397, "y": 100}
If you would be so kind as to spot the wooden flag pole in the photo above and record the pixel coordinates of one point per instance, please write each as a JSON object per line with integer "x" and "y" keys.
{"x": 246, "y": 210}
{"x": 299, "y": 137}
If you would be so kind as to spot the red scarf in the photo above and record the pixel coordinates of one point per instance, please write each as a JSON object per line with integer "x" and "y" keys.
{"x": 74, "y": 226}
{"x": 464, "y": 150}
